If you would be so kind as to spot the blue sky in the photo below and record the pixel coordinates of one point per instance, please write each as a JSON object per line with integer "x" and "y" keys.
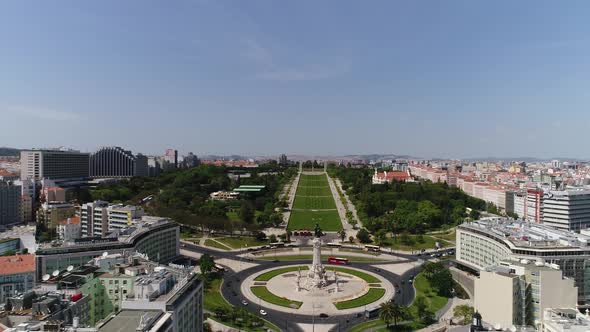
{"x": 426, "y": 78}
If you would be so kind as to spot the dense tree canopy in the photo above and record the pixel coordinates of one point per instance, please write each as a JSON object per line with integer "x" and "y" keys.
{"x": 184, "y": 195}
{"x": 409, "y": 206}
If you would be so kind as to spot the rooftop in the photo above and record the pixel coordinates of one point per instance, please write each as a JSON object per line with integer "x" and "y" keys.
{"x": 129, "y": 320}
{"x": 520, "y": 233}
{"x": 17, "y": 264}
{"x": 570, "y": 320}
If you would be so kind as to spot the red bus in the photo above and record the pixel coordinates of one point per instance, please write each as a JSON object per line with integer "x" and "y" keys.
{"x": 338, "y": 261}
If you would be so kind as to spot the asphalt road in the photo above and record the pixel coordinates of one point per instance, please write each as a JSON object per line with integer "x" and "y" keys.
{"x": 231, "y": 290}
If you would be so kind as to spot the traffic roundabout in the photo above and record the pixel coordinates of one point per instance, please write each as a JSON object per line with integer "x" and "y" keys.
{"x": 347, "y": 290}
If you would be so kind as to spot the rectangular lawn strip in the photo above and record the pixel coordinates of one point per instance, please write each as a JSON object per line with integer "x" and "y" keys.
{"x": 313, "y": 180}
{"x": 314, "y": 202}
{"x": 329, "y": 221}
{"x": 215, "y": 244}
{"x": 366, "y": 277}
{"x": 314, "y": 191}
{"x": 263, "y": 293}
{"x": 324, "y": 258}
{"x": 371, "y": 296}
{"x": 241, "y": 242}
{"x": 271, "y": 274}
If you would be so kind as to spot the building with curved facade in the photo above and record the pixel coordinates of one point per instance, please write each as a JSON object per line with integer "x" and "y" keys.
{"x": 157, "y": 238}
{"x": 485, "y": 243}
{"x": 113, "y": 162}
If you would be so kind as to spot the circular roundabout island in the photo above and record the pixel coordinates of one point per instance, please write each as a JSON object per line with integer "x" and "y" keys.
{"x": 317, "y": 289}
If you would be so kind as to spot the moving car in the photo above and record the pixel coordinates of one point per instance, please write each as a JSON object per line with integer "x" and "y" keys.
{"x": 244, "y": 302}
{"x": 262, "y": 312}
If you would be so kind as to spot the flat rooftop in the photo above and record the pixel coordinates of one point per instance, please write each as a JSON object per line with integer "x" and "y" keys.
{"x": 128, "y": 320}
{"x": 521, "y": 233}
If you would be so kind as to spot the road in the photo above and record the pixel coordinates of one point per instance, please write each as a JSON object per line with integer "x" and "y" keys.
{"x": 231, "y": 289}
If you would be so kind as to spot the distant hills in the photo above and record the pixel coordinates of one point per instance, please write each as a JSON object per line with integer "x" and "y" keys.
{"x": 11, "y": 152}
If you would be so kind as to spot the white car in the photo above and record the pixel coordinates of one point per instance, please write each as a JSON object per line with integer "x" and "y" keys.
{"x": 244, "y": 302}
{"x": 262, "y": 312}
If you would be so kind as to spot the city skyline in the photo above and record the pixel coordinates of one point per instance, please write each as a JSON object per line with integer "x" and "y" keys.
{"x": 459, "y": 80}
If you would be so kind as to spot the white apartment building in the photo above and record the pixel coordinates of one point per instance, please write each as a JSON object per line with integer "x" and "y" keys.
{"x": 485, "y": 243}
{"x": 99, "y": 218}
{"x": 568, "y": 210}
{"x": 517, "y": 293}
{"x": 69, "y": 230}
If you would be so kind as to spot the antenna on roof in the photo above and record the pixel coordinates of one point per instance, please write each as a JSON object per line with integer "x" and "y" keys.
{"x": 46, "y": 277}
{"x": 55, "y": 273}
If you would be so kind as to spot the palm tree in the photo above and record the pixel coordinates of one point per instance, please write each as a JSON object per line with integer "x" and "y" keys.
{"x": 386, "y": 312}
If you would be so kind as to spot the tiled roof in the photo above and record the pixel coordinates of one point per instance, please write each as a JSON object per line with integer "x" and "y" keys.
{"x": 17, "y": 264}
{"x": 71, "y": 220}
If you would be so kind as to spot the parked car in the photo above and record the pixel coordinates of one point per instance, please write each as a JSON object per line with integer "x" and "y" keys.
{"x": 244, "y": 302}
{"x": 323, "y": 315}
{"x": 262, "y": 312}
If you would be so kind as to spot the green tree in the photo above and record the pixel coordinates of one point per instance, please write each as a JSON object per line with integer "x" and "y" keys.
{"x": 421, "y": 305}
{"x": 386, "y": 313}
{"x": 272, "y": 238}
{"x": 342, "y": 234}
{"x": 363, "y": 236}
{"x": 246, "y": 212}
{"x": 206, "y": 264}
{"x": 465, "y": 312}
{"x": 474, "y": 214}
{"x": 351, "y": 239}
{"x": 260, "y": 236}
{"x": 380, "y": 236}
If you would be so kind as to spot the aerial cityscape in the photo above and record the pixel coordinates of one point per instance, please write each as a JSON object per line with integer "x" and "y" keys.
{"x": 196, "y": 166}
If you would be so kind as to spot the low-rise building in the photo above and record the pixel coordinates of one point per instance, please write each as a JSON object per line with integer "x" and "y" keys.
{"x": 69, "y": 230}
{"x": 388, "y": 177}
{"x": 17, "y": 275}
{"x": 51, "y": 213}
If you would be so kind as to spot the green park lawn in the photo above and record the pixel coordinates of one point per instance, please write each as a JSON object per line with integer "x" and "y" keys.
{"x": 314, "y": 191}
{"x": 313, "y": 180}
{"x": 263, "y": 293}
{"x": 423, "y": 287}
{"x": 329, "y": 221}
{"x": 213, "y": 298}
{"x": 414, "y": 243}
{"x": 365, "y": 276}
{"x": 271, "y": 274}
{"x": 215, "y": 244}
{"x": 371, "y": 296}
{"x": 314, "y": 202}
{"x": 241, "y": 242}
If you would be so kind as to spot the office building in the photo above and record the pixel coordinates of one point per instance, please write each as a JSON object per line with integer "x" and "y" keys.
{"x": 484, "y": 243}
{"x": 568, "y": 210}
{"x": 190, "y": 160}
{"x": 154, "y": 165}
{"x": 25, "y": 236}
{"x": 517, "y": 293}
{"x": 115, "y": 162}
{"x": 54, "y": 164}
{"x": 10, "y": 204}
{"x": 17, "y": 275}
{"x": 99, "y": 217}
{"x": 171, "y": 157}
{"x": 156, "y": 237}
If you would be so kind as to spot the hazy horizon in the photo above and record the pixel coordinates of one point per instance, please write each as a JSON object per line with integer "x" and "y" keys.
{"x": 457, "y": 79}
